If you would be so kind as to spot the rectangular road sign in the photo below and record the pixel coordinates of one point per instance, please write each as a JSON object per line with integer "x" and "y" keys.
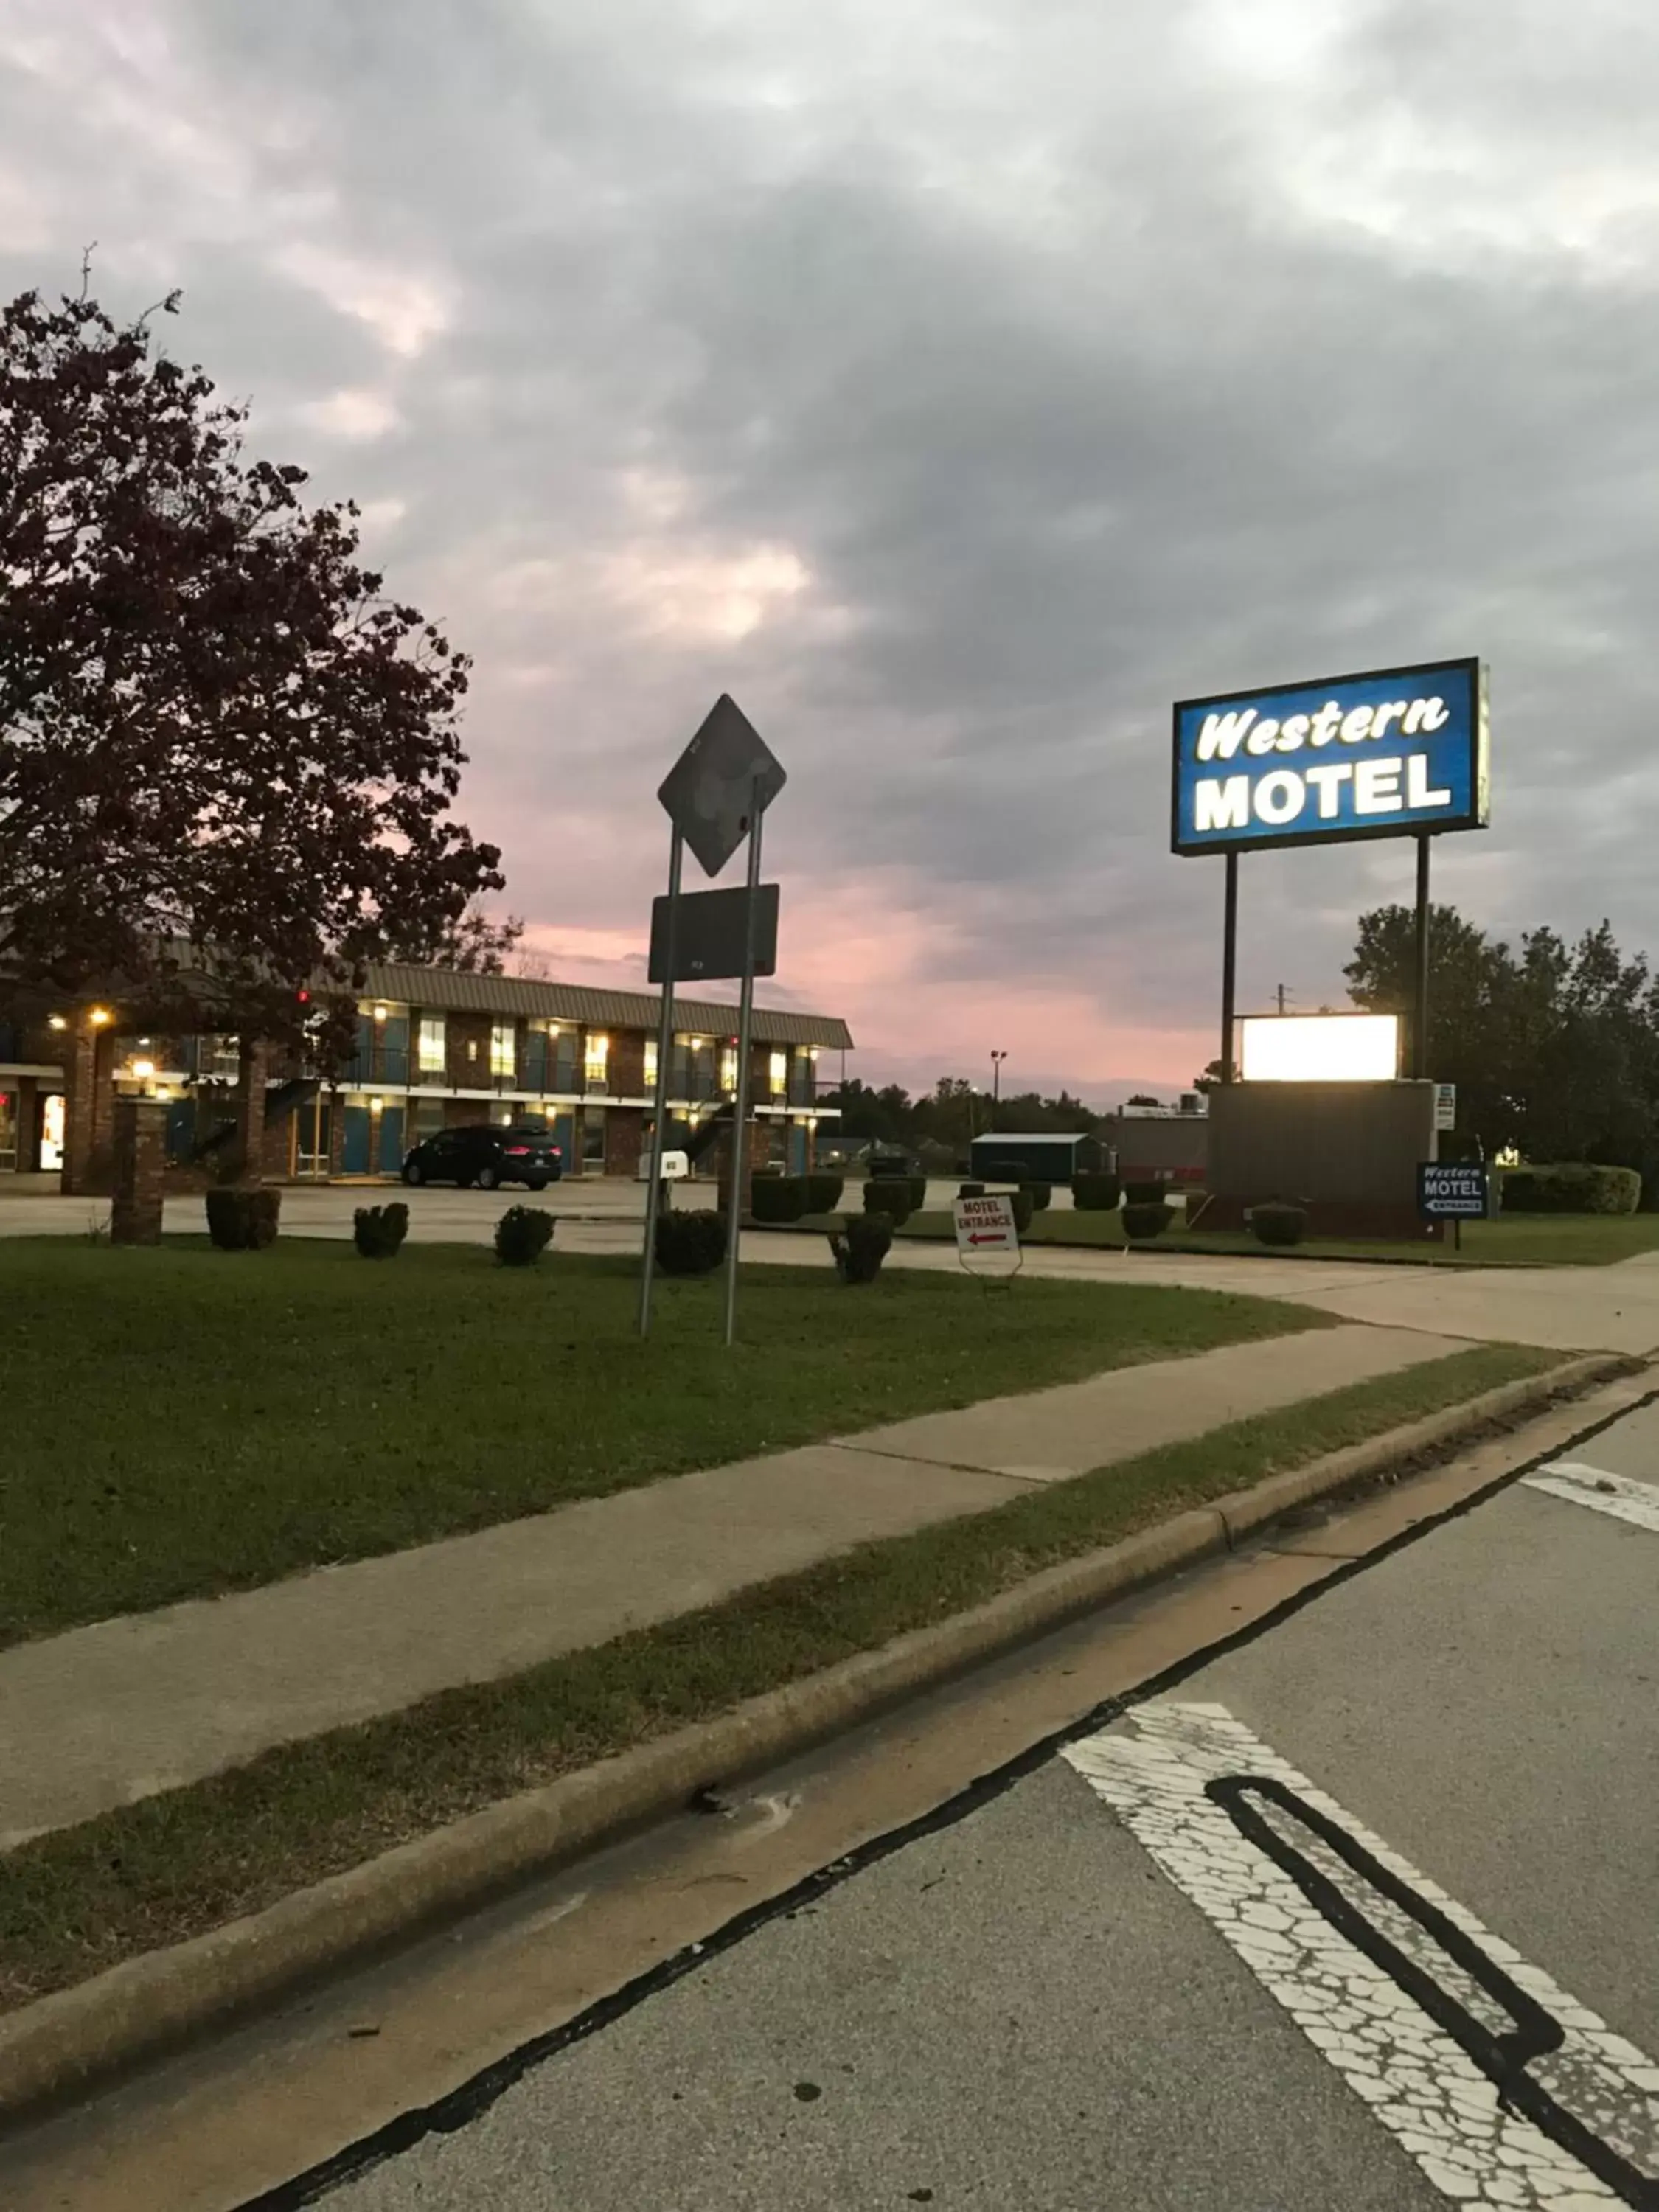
{"x": 1445, "y": 1106}
{"x": 1452, "y": 1190}
{"x": 986, "y": 1229}
{"x": 710, "y": 934}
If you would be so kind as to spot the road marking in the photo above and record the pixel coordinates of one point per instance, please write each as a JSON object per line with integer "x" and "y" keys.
{"x": 1505, "y": 2091}
{"x": 1616, "y": 1494}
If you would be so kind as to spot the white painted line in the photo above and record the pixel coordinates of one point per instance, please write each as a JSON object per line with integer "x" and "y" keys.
{"x": 1505, "y": 2091}
{"x": 1615, "y": 1494}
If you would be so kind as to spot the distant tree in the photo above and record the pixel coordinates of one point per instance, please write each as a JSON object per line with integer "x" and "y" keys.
{"x": 477, "y": 944}
{"x": 1214, "y": 1074}
{"x": 218, "y": 733}
{"x": 1142, "y": 1099}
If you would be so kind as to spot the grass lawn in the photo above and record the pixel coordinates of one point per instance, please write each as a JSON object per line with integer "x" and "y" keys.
{"x": 1536, "y": 1240}
{"x": 182, "y": 1420}
{"x": 172, "y": 1866}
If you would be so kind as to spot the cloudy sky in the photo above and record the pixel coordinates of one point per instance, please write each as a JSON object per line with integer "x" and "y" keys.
{"x": 957, "y": 383}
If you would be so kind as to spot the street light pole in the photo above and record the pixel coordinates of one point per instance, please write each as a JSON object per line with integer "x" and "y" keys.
{"x": 997, "y": 1059}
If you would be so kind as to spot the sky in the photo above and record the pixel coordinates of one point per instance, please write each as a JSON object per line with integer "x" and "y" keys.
{"x": 956, "y": 385}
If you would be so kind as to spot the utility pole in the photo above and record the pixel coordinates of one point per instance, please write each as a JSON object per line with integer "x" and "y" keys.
{"x": 1282, "y": 994}
{"x": 997, "y": 1059}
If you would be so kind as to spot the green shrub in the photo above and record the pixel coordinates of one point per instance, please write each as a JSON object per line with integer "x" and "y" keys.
{"x": 918, "y": 1193}
{"x": 1278, "y": 1223}
{"x": 885, "y": 1195}
{"x": 1040, "y": 1194}
{"x": 692, "y": 1243}
{"x": 1141, "y": 1220}
{"x": 823, "y": 1193}
{"x": 860, "y": 1246}
{"x": 777, "y": 1198}
{"x": 377, "y": 1231}
{"x": 244, "y": 1220}
{"x": 971, "y": 1190}
{"x": 1023, "y": 1206}
{"x": 1575, "y": 1186}
{"x": 1143, "y": 1194}
{"x": 1096, "y": 1194}
{"x": 889, "y": 1165}
{"x": 522, "y": 1235}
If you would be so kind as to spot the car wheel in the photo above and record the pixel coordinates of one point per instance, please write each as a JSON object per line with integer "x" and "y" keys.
{"x": 413, "y": 1173}
{"x": 487, "y": 1178}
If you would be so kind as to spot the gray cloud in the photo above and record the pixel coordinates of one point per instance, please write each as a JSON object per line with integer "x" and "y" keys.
{"x": 958, "y": 390}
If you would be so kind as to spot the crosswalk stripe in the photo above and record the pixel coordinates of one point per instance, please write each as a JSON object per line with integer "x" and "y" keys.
{"x": 1505, "y": 2090}
{"x": 1615, "y": 1494}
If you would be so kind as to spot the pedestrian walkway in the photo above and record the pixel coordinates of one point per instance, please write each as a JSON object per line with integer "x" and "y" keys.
{"x": 104, "y": 1714}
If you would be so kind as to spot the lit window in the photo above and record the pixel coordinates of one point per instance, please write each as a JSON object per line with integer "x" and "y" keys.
{"x": 432, "y": 1044}
{"x": 728, "y": 1067}
{"x": 598, "y": 1053}
{"x": 650, "y": 1073}
{"x": 779, "y": 1070}
{"x": 504, "y": 1048}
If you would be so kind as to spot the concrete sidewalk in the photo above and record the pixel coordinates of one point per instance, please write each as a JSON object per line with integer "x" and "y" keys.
{"x": 103, "y": 1715}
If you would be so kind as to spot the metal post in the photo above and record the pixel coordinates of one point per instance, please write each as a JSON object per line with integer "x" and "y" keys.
{"x": 1229, "y": 964}
{"x": 1421, "y": 1007}
{"x": 741, "y": 1104}
{"x": 664, "y": 1048}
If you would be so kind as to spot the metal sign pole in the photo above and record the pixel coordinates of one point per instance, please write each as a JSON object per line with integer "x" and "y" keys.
{"x": 740, "y": 1105}
{"x": 664, "y": 1048}
{"x": 1229, "y": 964}
{"x": 1420, "y": 995}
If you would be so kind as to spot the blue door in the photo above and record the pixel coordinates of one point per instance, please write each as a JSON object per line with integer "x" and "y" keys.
{"x": 392, "y": 1140}
{"x": 797, "y": 1148}
{"x": 564, "y": 1136}
{"x": 355, "y": 1158}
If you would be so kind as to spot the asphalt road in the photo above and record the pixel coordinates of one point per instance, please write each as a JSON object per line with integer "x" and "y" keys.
{"x": 1100, "y": 1988}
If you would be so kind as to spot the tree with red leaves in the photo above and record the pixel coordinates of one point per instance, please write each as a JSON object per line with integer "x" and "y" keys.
{"x": 225, "y": 753}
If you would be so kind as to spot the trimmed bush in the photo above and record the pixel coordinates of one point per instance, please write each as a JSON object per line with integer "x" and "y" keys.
{"x": 1278, "y": 1223}
{"x": 377, "y": 1231}
{"x": 244, "y": 1220}
{"x": 823, "y": 1193}
{"x": 692, "y": 1243}
{"x": 887, "y": 1165}
{"x": 860, "y": 1246}
{"x": 971, "y": 1190}
{"x": 1096, "y": 1194}
{"x": 918, "y": 1193}
{"x": 1575, "y": 1186}
{"x": 1141, "y": 1221}
{"x": 777, "y": 1198}
{"x": 1023, "y": 1207}
{"x": 522, "y": 1235}
{"x": 890, "y": 1197}
{"x": 1040, "y": 1194}
{"x": 1144, "y": 1193}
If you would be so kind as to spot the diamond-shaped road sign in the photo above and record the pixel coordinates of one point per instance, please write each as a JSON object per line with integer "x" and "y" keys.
{"x": 709, "y": 790}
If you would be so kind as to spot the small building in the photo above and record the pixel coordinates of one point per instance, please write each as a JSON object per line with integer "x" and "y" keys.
{"x": 434, "y": 1046}
{"x": 1042, "y": 1158}
{"x": 1162, "y": 1144}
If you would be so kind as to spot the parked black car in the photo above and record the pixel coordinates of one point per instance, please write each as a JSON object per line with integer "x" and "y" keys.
{"x": 482, "y": 1155}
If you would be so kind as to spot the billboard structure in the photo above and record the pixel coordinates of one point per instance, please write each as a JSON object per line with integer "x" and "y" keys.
{"x": 1389, "y": 752}
{"x": 1319, "y": 1047}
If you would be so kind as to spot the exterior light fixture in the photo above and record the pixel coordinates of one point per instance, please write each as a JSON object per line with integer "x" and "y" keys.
{"x": 56, "y": 1022}
{"x": 144, "y": 1069}
{"x": 379, "y": 1013}
{"x": 377, "y": 1105}
{"x": 99, "y": 1016}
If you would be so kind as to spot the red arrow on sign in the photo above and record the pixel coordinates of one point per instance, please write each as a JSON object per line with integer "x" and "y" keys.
{"x": 991, "y": 1237}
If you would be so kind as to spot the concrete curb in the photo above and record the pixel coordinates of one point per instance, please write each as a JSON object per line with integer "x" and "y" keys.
{"x": 65, "y": 2044}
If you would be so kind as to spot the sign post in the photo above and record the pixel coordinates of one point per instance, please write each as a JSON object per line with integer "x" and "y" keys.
{"x": 714, "y": 795}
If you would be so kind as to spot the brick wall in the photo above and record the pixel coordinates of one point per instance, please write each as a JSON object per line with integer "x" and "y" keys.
{"x": 467, "y": 1041}
{"x": 138, "y": 1164}
{"x": 627, "y": 1063}
{"x": 624, "y": 1140}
